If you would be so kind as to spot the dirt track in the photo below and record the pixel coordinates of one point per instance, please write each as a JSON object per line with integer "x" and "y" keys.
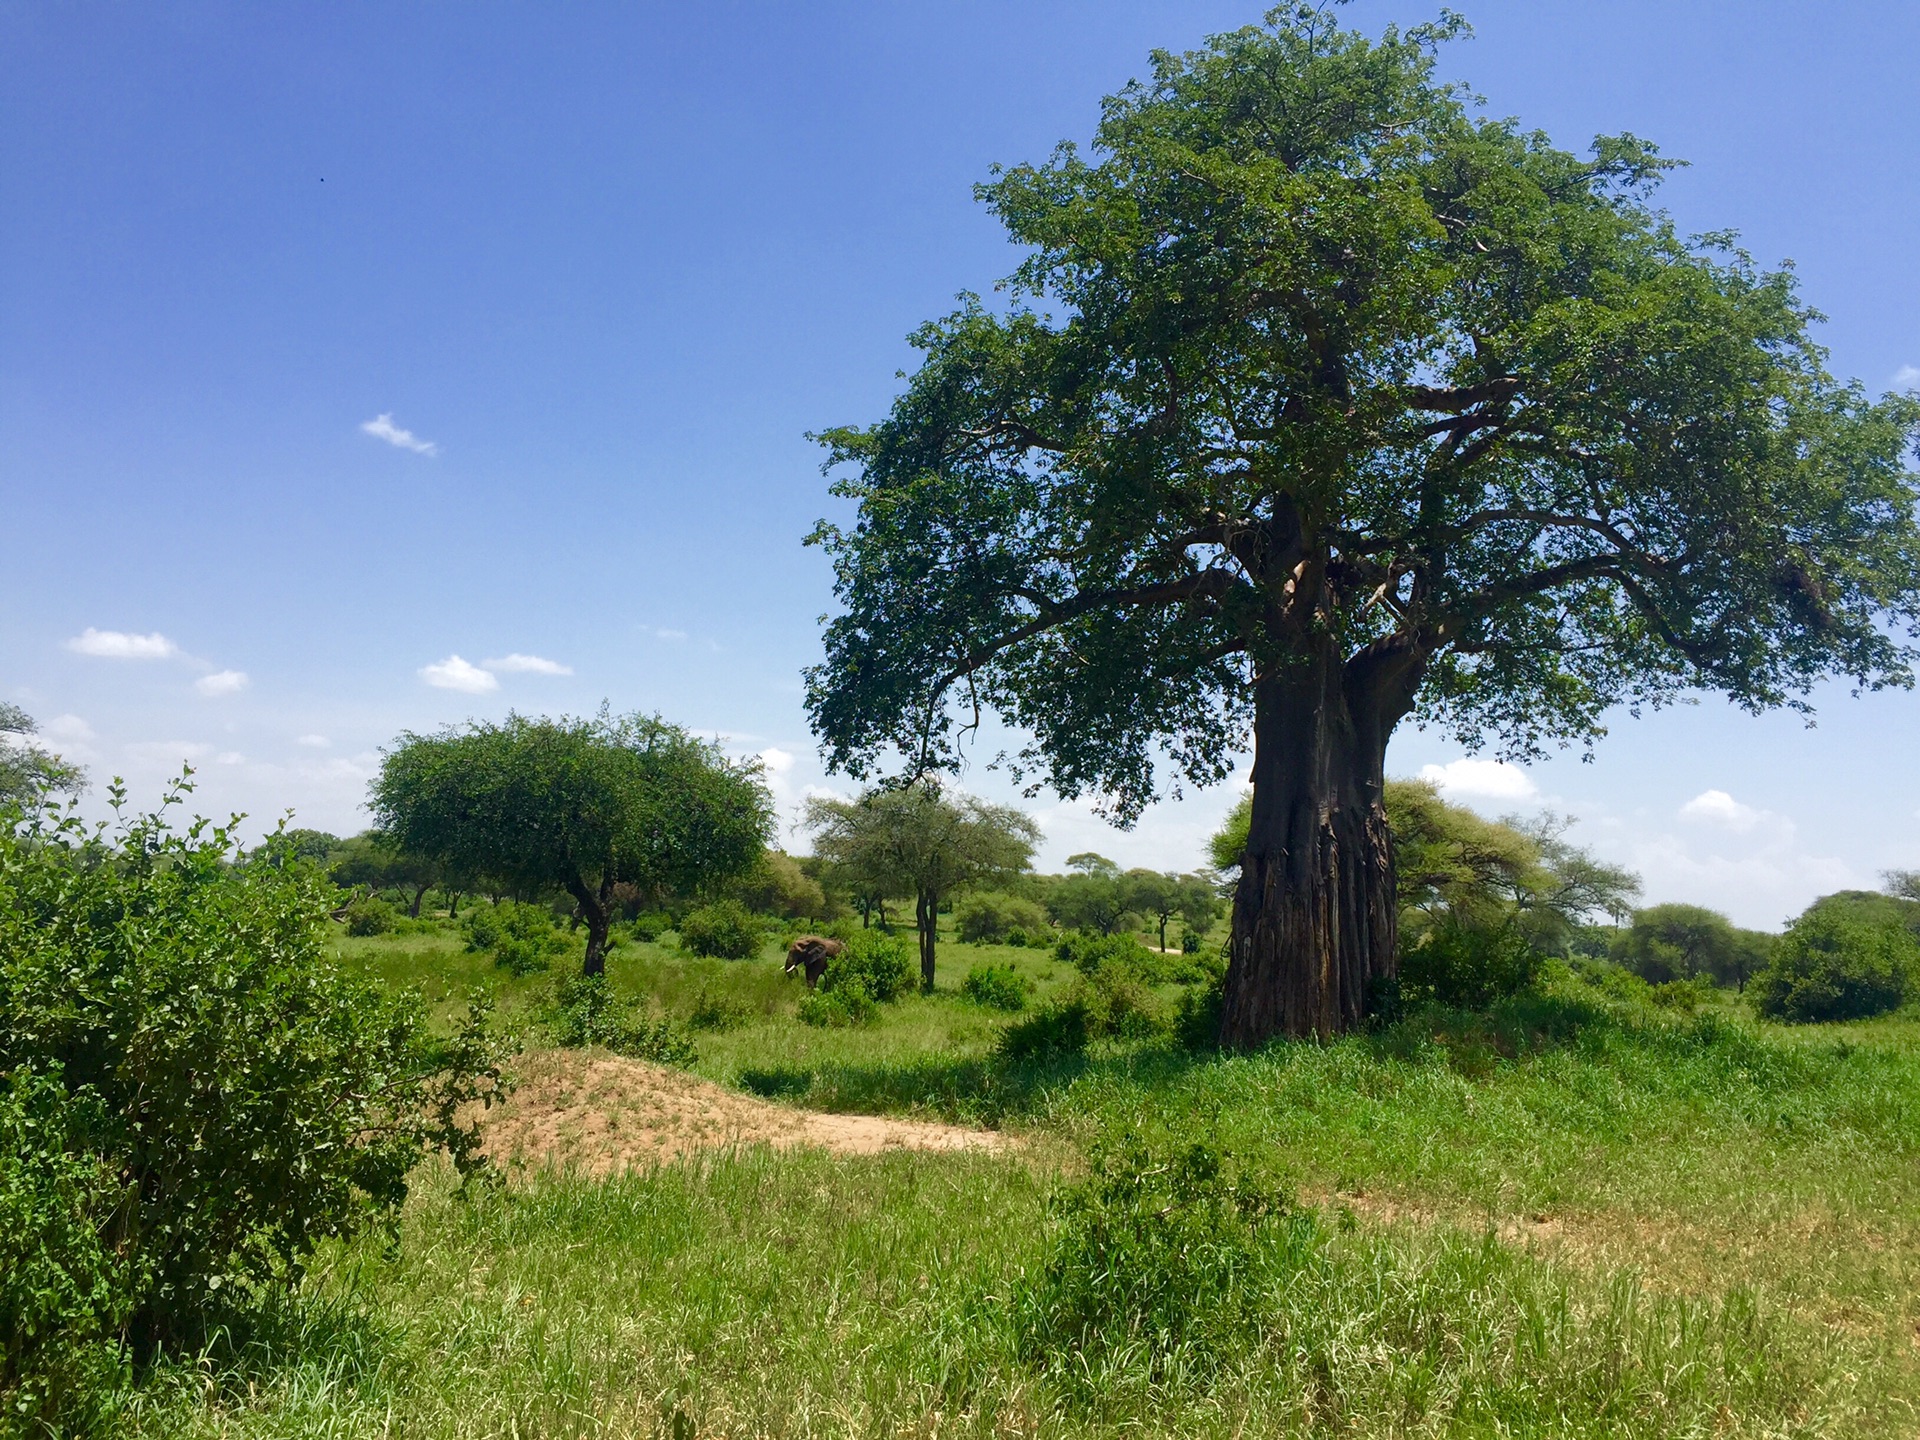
{"x": 599, "y": 1113}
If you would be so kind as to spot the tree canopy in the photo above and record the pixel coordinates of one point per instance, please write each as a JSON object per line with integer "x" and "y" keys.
{"x": 29, "y": 772}
{"x": 1320, "y": 401}
{"x": 915, "y": 841}
{"x": 581, "y": 804}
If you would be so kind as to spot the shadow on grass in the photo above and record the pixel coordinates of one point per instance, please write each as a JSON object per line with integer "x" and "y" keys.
{"x": 1477, "y": 1044}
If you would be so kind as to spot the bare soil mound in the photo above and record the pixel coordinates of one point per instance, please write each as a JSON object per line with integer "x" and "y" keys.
{"x": 599, "y": 1113}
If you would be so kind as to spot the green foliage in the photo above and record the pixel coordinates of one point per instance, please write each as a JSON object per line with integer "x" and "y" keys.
{"x": 649, "y": 925}
{"x": 65, "y": 1291}
{"x": 717, "y": 1012}
{"x": 1164, "y": 1257}
{"x": 30, "y": 774}
{"x": 990, "y": 917}
{"x": 248, "y": 1098}
{"x": 522, "y": 938}
{"x": 998, "y": 987}
{"x": 1677, "y": 942}
{"x": 370, "y": 915}
{"x": 586, "y": 1012}
{"x": 847, "y": 1005}
{"x": 1090, "y": 901}
{"x": 1836, "y": 965}
{"x": 778, "y": 886}
{"x": 1087, "y": 951}
{"x": 878, "y": 964}
{"x": 726, "y": 930}
{"x": 1467, "y": 966}
{"x": 1058, "y": 1028}
{"x": 579, "y": 805}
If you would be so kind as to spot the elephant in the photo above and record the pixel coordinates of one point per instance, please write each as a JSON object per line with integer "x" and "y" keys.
{"x": 811, "y": 954}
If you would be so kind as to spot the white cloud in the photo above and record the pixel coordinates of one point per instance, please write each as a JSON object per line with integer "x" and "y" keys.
{"x": 528, "y": 664}
{"x": 314, "y": 742}
{"x": 67, "y": 727}
{"x": 453, "y": 673}
{"x": 1906, "y": 377}
{"x": 230, "y": 757}
{"x": 121, "y": 645}
{"x": 381, "y": 427}
{"x": 777, "y": 761}
{"x": 222, "y": 682}
{"x": 1483, "y": 779}
{"x": 1717, "y": 807}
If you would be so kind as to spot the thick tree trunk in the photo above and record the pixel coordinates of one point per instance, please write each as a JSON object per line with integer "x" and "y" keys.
{"x": 1315, "y": 920}
{"x": 926, "y": 914}
{"x": 596, "y": 909}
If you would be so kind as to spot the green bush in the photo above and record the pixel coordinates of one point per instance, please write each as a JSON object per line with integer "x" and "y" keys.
{"x": 1060, "y": 1027}
{"x": 370, "y": 915}
{"x": 848, "y": 1004}
{"x": 1163, "y": 1259}
{"x": 1836, "y": 965}
{"x": 725, "y": 929}
{"x": 1190, "y": 942}
{"x": 717, "y": 1012}
{"x": 989, "y": 918}
{"x": 585, "y": 1011}
{"x": 523, "y": 938}
{"x": 64, "y": 1291}
{"x": 998, "y": 987}
{"x": 650, "y": 925}
{"x": 248, "y": 1097}
{"x": 880, "y": 964}
{"x": 1467, "y": 966}
{"x": 1087, "y": 951}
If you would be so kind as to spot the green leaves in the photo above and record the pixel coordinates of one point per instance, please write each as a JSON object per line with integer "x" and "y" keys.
{"x": 1306, "y": 355}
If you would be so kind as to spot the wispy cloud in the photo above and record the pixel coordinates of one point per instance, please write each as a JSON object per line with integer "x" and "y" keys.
{"x": 168, "y": 752}
{"x": 314, "y": 742}
{"x": 1482, "y": 779}
{"x": 122, "y": 645}
{"x": 1906, "y": 377}
{"x": 453, "y": 673}
{"x": 68, "y": 727}
{"x": 662, "y": 633}
{"x": 528, "y": 664}
{"x": 381, "y": 427}
{"x": 222, "y": 682}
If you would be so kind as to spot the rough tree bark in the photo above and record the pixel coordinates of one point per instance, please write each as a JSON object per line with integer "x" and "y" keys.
{"x": 926, "y": 915}
{"x": 1315, "y": 919}
{"x": 596, "y": 908}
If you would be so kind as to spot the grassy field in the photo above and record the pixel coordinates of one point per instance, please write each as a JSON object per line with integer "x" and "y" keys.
{"x": 1578, "y": 1215}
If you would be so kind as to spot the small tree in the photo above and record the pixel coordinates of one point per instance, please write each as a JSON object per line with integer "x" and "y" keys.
{"x": 578, "y": 804}
{"x": 1676, "y": 942}
{"x": 376, "y": 861}
{"x": 915, "y": 842}
{"x": 1090, "y": 900}
{"x": 1160, "y": 897}
{"x": 29, "y": 773}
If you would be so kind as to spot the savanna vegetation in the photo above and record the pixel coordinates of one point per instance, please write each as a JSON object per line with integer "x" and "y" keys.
{"x": 512, "y": 1115}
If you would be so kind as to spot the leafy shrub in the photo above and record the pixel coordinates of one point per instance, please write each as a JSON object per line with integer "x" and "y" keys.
{"x": 1196, "y": 1021}
{"x": 848, "y": 1004}
{"x": 650, "y": 925}
{"x": 523, "y": 938}
{"x": 1164, "y": 1258}
{"x": 880, "y": 964}
{"x": 1832, "y": 965}
{"x": 999, "y": 987}
{"x": 370, "y": 915}
{"x": 1190, "y": 942}
{"x": 64, "y": 1291}
{"x": 1020, "y": 938}
{"x": 1468, "y": 966}
{"x": 1087, "y": 951}
{"x": 717, "y": 1012}
{"x": 1060, "y": 1027}
{"x": 989, "y": 918}
{"x": 249, "y": 1098}
{"x": 587, "y": 1012}
{"x": 725, "y": 929}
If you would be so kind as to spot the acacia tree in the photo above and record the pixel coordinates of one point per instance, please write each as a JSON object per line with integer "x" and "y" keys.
{"x": 581, "y": 804}
{"x": 29, "y": 773}
{"x": 914, "y": 841}
{"x": 1320, "y": 402}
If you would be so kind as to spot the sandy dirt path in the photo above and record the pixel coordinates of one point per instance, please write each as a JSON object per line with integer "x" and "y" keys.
{"x": 599, "y": 1113}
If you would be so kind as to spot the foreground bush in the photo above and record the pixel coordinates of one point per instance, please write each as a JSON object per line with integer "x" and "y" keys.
{"x": 1468, "y": 966}
{"x": 172, "y": 1021}
{"x": 587, "y": 1012}
{"x": 998, "y": 987}
{"x": 726, "y": 930}
{"x": 1832, "y": 965}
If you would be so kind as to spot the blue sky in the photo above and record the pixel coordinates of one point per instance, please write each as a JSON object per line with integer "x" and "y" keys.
{"x": 339, "y": 341}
